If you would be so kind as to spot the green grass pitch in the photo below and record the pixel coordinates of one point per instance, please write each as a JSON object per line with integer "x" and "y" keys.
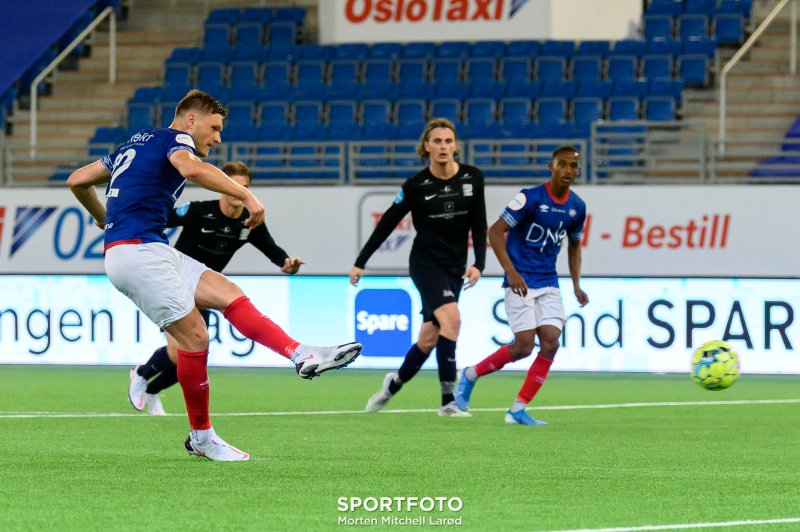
{"x": 622, "y": 450}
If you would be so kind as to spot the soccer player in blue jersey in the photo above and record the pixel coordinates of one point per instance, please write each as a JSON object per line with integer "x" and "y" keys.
{"x": 535, "y": 221}
{"x": 145, "y": 176}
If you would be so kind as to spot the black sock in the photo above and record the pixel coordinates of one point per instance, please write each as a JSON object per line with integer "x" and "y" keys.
{"x": 164, "y": 380}
{"x": 446, "y": 359}
{"x": 414, "y": 360}
{"x": 158, "y": 362}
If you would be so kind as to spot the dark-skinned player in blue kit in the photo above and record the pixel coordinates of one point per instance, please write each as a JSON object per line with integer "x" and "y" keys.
{"x": 535, "y": 222}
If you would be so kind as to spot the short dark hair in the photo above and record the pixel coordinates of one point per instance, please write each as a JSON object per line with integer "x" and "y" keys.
{"x": 197, "y": 100}
{"x": 238, "y": 168}
{"x": 435, "y": 123}
{"x": 565, "y": 147}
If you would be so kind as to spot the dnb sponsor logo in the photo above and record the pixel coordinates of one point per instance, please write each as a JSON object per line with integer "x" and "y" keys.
{"x": 381, "y": 11}
{"x": 383, "y": 321}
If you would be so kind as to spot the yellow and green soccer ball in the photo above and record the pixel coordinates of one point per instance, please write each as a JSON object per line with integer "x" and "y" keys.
{"x": 715, "y": 365}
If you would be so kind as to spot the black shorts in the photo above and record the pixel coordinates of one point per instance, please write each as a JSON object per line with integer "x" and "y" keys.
{"x": 436, "y": 287}
{"x": 206, "y": 313}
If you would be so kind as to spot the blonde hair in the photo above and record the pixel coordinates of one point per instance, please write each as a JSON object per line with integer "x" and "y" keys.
{"x": 197, "y": 100}
{"x": 426, "y": 133}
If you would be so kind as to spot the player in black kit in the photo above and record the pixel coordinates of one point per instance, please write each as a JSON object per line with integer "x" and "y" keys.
{"x": 446, "y": 201}
{"x": 212, "y": 232}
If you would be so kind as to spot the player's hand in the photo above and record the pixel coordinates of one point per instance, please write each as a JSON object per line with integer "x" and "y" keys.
{"x": 355, "y": 275}
{"x": 101, "y": 224}
{"x": 256, "y": 210}
{"x": 517, "y": 283}
{"x": 291, "y": 265}
{"x": 471, "y": 276}
{"x": 583, "y": 299}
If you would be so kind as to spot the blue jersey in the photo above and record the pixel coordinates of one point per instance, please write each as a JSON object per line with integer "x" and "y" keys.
{"x": 144, "y": 186}
{"x": 538, "y": 224}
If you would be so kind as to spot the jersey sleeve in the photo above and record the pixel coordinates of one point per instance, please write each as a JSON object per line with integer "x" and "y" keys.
{"x": 180, "y": 215}
{"x": 479, "y": 225}
{"x": 516, "y": 209}
{"x": 576, "y": 229}
{"x": 393, "y": 216}
{"x": 263, "y": 241}
{"x": 180, "y": 141}
{"x": 108, "y": 162}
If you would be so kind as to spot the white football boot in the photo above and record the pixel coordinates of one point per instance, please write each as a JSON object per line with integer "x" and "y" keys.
{"x": 379, "y": 400}
{"x": 136, "y": 390}
{"x": 310, "y": 361}
{"x": 154, "y": 406}
{"x": 451, "y": 410}
{"x": 213, "y": 447}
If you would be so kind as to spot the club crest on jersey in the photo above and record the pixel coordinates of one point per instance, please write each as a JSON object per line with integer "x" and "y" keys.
{"x": 572, "y": 213}
{"x": 517, "y": 202}
{"x": 244, "y": 233}
{"x": 467, "y": 189}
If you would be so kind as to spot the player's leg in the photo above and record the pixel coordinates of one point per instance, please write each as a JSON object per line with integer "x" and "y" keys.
{"x": 523, "y": 320}
{"x": 215, "y": 291}
{"x": 413, "y": 361}
{"x": 551, "y": 315}
{"x": 449, "y": 320}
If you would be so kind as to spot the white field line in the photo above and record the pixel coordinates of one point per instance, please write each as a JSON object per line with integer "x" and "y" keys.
{"x": 65, "y": 415}
{"x": 685, "y": 526}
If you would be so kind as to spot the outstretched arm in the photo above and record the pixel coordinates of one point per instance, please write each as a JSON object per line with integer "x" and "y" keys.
{"x": 82, "y": 182}
{"x": 574, "y": 260}
{"x": 210, "y": 177}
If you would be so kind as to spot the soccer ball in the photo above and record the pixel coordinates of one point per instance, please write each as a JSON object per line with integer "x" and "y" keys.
{"x": 715, "y": 365}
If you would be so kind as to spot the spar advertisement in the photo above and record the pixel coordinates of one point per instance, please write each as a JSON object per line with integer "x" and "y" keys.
{"x": 371, "y": 21}
{"x": 666, "y": 231}
{"x": 632, "y": 324}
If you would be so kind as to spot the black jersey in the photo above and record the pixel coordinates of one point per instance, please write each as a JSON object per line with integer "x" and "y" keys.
{"x": 443, "y": 212}
{"x": 212, "y": 238}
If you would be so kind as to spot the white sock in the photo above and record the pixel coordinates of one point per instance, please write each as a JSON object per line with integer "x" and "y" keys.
{"x": 203, "y": 436}
{"x": 518, "y": 406}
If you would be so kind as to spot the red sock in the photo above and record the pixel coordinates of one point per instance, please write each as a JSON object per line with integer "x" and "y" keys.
{"x": 193, "y": 376}
{"x": 254, "y": 325}
{"x": 493, "y": 362}
{"x": 535, "y": 378}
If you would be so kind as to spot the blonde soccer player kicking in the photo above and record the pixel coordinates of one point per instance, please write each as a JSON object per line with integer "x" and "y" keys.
{"x": 535, "y": 222}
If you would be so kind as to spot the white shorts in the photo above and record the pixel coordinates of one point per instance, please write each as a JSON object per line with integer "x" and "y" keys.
{"x": 160, "y": 280}
{"x": 542, "y": 306}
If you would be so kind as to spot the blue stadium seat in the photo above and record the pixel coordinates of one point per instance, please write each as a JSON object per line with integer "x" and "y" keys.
{"x": 515, "y": 112}
{"x": 229, "y": 16}
{"x": 166, "y": 113}
{"x": 344, "y": 71}
{"x": 149, "y": 95}
{"x": 700, "y": 7}
{"x": 216, "y": 35}
{"x": 526, "y": 49}
{"x": 665, "y": 7}
{"x": 282, "y": 35}
{"x": 306, "y": 112}
{"x": 411, "y": 112}
{"x": 664, "y": 47}
{"x": 587, "y": 67}
{"x": 692, "y": 26}
{"x": 253, "y": 93}
{"x": 376, "y": 112}
{"x": 374, "y": 89}
{"x": 480, "y": 111}
{"x": 446, "y": 75}
{"x": 316, "y": 52}
{"x": 601, "y": 48}
{"x": 385, "y": 50}
{"x": 249, "y": 35}
{"x": 259, "y": 15}
{"x": 488, "y": 49}
{"x": 515, "y": 70}
{"x": 184, "y": 55}
{"x": 243, "y": 74}
{"x": 623, "y": 108}
{"x": 558, "y": 48}
{"x": 586, "y": 110}
{"x": 657, "y": 66}
{"x": 174, "y": 92}
{"x": 524, "y": 89}
{"x": 735, "y": 7}
{"x": 480, "y": 69}
{"x": 240, "y": 113}
{"x": 241, "y": 133}
{"x": 631, "y": 47}
{"x": 700, "y": 45}
{"x": 177, "y": 73}
{"x": 378, "y": 71}
{"x": 667, "y": 87}
{"x": 560, "y": 88}
{"x": 273, "y": 113}
{"x": 412, "y": 70}
{"x": 419, "y": 50}
{"x": 622, "y": 67}
{"x": 550, "y": 110}
{"x": 352, "y": 51}
{"x": 277, "y": 78}
{"x": 631, "y": 87}
{"x": 693, "y": 69}
{"x": 294, "y": 15}
{"x": 217, "y": 54}
{"x": 657, "y": 27}
{"x": 601, "y": 88}
{"x": 210, "y": 74}
{"x": 659, "y": 108}
{"x": 140, "y": 115}
{"x": 306, "y": 72}
{"x": 251, "y": 54}
{"x": 550, "y": 67}
{"x": 446, "y": 108}
{"x": 453, "y": 50}
{"x": 729, "y": 28}
{"x": 416, "y": 90}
